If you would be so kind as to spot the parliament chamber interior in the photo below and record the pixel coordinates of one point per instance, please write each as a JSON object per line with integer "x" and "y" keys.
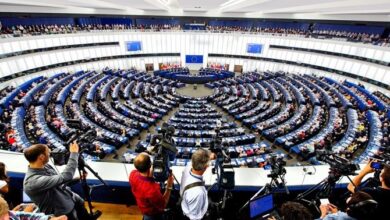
{"x": 285, "y": 104}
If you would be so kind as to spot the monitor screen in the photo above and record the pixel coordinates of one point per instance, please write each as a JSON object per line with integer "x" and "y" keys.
{"x": 194, "y": 58}
{"x": 254, "y": 48}
{"x": 133, "y": 46}
{"x": 261, "y": 205}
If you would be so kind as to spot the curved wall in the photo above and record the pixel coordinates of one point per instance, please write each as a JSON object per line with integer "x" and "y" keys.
{"x": 194, "y": 43}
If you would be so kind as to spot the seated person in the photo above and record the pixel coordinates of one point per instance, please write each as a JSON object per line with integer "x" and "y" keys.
{"x": 26, "y": 214}
{"x": 360, "y": 206}
{"x": 294, "y": 211}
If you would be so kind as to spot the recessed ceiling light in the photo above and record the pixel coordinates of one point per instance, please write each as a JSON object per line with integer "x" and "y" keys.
{"x": 198, "y": 7}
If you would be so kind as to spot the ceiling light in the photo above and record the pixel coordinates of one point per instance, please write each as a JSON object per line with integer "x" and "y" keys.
{"x": 231, "y": 3}
{"x": 164, "y": 2}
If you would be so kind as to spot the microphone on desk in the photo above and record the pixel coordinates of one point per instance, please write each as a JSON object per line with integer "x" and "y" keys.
{"x": 308, "y": 172}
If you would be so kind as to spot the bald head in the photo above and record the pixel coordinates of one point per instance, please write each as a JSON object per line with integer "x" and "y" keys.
{"x": 142, "y": 162}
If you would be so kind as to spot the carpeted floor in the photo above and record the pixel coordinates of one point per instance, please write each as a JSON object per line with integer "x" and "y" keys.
{"x": 200, "y": 91}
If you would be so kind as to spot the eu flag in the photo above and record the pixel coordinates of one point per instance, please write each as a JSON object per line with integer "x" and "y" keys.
{"x": 194, "y": 58}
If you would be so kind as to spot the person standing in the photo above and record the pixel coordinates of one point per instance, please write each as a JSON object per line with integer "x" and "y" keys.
{"x": 146, "y": 190}
{"x": 193, "y": 192}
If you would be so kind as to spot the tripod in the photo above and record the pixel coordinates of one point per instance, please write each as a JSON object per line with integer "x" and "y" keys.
{"x": 325, "y": 189}
{"x": 225, "y": 181}
{"x": 82, "y": 166}
{"x": 268, "y": 188}
{"x": 220, "y": 206}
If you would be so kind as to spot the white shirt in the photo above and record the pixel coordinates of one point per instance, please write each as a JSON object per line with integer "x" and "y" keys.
{"x": 2, "y": 183}
{"x": 195, "y": 201}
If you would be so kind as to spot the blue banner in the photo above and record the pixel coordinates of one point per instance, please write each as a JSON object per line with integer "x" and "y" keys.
{"x": 133, "y": 46}
{"x": 194, "y": 58}
{"x": 254, "y": 48}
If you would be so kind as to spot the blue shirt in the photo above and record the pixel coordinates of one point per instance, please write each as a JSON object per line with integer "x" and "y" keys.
{"x": 338, "y": 216}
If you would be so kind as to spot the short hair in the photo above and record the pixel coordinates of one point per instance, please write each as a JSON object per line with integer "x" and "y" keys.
{"x": 4, "y": 208}
{"x": 200, "y": 159}
{"x": 142, "y": 162}
{"x": 3, "y": 174}
{"x": 386, "y": 175}
{"x": 361, "y": 206}
{"x": 295, "y": 211}
{"x": 32, "y": 153}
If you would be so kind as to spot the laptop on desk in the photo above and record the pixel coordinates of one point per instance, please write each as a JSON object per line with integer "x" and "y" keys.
{"x": 262, "y": 208}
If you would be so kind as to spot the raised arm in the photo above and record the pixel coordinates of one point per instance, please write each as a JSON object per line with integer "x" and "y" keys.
{"x": 42, "y": 183}
{"x": 357, "y": 180}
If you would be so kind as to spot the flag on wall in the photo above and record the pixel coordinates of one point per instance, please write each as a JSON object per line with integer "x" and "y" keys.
{"x": 194, "y": 58}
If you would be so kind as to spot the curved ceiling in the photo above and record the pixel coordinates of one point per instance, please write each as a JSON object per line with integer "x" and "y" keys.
{"x": 359, "y": 10}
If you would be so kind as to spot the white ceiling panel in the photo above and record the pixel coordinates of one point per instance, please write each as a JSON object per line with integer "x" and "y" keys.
{"x": 363, "y": 10}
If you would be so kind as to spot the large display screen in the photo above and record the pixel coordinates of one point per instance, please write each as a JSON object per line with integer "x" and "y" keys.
{"x": 194, "y": 58}
{"x": 254, "y": 48}
{"x": 133, "y": 45}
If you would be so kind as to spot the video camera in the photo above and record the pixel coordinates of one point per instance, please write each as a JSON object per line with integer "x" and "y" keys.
{"x": 382, "y": 158}
{"x": 223, "y": 166}
{"x": 338, "y": 165}
{"x": 164, "y": 151}
{"x": 84, "y": 138}
{"x": 277, "y": 166}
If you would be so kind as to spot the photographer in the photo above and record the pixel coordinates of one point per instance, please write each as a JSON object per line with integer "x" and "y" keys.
{"x": 146, "y": 191}
{"x": 380, "y": 194}
{"x": 47, "y": 188}
{"x": 194, "y": 195}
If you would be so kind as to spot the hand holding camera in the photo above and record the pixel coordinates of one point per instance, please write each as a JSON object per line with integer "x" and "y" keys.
{"x": 170, "y": 181}
{"x": 74, "y": 147}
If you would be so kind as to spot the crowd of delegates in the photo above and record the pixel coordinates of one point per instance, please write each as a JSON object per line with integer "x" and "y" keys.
{"x": 217, "y": 66}
{"x": 217, "y": 70}
{"x": 351, "y": 36}
{"x": 363, "y": 37}
{"x": 158, "y": 27}
{"x": 20, "y": 30}
{"x": 257, "y": 30}
{"x": 167, "y": 66}
{"x": 7, "y": 133}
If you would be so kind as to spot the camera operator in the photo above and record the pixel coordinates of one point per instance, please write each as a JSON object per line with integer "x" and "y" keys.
{"x": 47, "y": 188}
{"x": 193, "y": 193}
{"x": 146, "y": 191}
{"x": 380, "y": 194}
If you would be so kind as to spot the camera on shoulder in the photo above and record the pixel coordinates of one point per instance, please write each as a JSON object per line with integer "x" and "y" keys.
{"x": 164, "y": 151}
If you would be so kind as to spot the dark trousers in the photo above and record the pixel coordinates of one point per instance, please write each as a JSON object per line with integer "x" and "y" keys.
{"x": 79, "y": 212}
{"x": 153, "y": 217}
